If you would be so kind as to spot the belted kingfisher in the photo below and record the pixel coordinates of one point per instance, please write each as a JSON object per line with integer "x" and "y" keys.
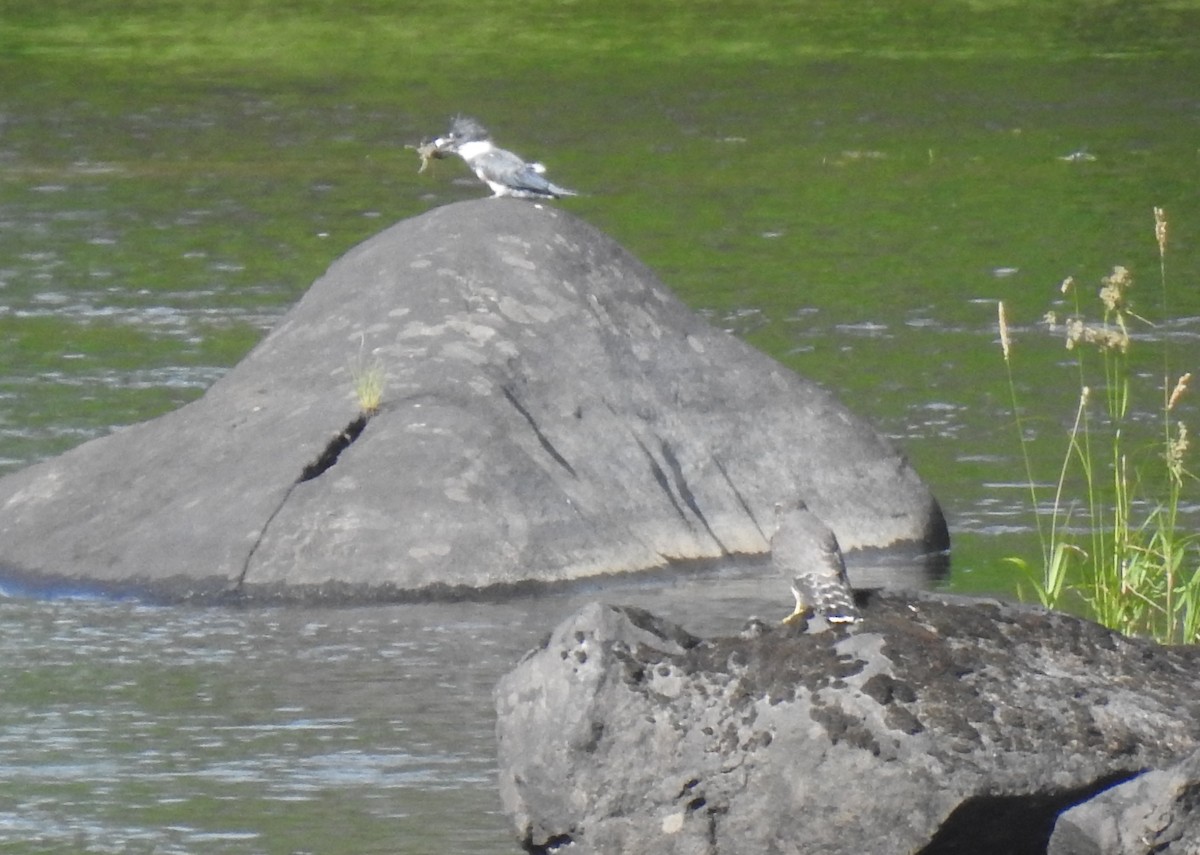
{"x": 501, "y": 170}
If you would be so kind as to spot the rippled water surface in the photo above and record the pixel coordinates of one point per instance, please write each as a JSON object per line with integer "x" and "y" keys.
{"x": 133, "y": 729}
{"x": 127, "y": 728}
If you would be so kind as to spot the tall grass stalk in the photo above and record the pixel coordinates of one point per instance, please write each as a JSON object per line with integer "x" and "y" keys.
{"x": 1132, "y": 566}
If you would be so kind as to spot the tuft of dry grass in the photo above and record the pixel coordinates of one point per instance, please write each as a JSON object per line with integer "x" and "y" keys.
{"x": 368, "y": 378}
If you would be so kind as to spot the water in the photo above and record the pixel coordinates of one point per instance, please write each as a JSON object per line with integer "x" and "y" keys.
{"x": 850, "y": 192}
{"x": 133, "y": 729}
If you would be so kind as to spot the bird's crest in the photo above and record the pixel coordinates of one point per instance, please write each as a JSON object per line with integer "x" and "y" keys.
{"x": 466, "y": 129}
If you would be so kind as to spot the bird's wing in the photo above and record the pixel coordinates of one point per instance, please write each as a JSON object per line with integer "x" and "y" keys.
{"x": 504, "y": 167}
{"x": 825, "y": 596}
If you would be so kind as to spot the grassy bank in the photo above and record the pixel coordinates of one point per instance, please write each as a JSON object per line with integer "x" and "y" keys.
{"x": 389, "y": 40}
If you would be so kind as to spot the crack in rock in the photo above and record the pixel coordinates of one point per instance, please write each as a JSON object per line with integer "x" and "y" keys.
{"x": 544, "y": 440}
{"x": 342, "y": 440}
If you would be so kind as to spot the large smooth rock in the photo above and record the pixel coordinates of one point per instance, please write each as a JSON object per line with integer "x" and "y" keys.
{"x": 932, "y": 726}
{"x": 551, "y": 412}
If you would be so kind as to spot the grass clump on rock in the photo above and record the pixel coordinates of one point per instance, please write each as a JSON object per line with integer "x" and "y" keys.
{"x": 368, "y": 379}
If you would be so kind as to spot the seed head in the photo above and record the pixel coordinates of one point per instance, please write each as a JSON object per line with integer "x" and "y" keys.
{"x": 1004, "y": 339}
{"x": 1180, "y": 387}
{"x": 1176, "y": 451}
{"x": 1113, "y": 288}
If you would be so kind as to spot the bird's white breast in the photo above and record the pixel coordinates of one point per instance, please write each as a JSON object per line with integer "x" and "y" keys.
{"x": 475, "y": 148}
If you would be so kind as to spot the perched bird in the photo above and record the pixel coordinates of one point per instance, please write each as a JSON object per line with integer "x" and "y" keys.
{"x": 806, "y": 550}
{"x": 501, "y": 170}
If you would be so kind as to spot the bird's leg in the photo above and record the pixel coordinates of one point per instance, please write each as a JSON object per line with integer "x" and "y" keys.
{"x": 799, "y": 614}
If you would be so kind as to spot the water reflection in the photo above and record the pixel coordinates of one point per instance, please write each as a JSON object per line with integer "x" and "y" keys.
{"x": 861, "y": 236}
{"x": 126, "y": 728}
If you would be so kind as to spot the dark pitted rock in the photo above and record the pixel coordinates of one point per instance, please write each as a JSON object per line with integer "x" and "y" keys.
{"x": 934, "y": 726}
{"x": 1158, "y": 812}
{"x": 550, "y": 412}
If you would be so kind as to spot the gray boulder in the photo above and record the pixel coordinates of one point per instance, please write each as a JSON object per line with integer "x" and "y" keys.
{"x": 550, "y": 412}
{"x": 1157, "y": 812}
{"x": 933, "y": 726}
